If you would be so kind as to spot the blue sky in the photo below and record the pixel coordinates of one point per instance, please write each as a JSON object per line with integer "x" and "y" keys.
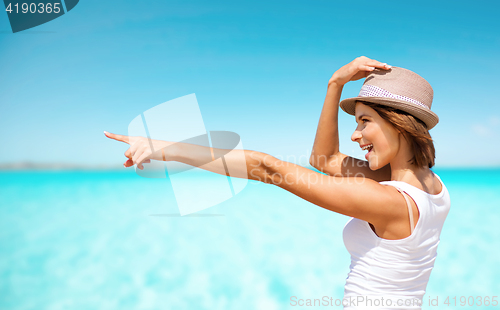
{"x": 258, "y": 68}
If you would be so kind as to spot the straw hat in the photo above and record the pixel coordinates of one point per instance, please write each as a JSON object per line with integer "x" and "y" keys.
{"x": 398, "y": 88}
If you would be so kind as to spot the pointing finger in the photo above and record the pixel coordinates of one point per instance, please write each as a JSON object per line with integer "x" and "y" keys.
{"x": 116, "y": 137}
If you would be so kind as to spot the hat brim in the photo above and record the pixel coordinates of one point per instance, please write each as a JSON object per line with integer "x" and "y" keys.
{"x": 427, "y": 116}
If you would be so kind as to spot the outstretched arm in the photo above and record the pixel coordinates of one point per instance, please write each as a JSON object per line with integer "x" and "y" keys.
{"x": 352, "y": 196}
{"x": 245, "y": 164}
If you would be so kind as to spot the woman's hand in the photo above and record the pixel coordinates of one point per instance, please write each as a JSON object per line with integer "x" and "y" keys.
{"x": 357, "y": 69}
{"x": 140, "y": 151}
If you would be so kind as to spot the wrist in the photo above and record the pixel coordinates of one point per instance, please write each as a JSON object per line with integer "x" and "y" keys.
{"x": 171, "y": 152}
{"x": 335, "y": 83}
{"x": 165, "y": 151}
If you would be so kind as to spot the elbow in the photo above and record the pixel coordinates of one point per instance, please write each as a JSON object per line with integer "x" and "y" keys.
{"x": 317, "y": 161}
{"x": 313, "y": 163}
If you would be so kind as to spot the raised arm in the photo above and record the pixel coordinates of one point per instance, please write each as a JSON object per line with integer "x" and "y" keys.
{"x": 326, "y": 155}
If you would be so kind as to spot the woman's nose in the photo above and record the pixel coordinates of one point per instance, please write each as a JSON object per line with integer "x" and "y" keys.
{"x": 356, "y": 135}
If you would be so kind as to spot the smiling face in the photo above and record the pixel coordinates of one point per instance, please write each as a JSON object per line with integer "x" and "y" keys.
{"x": 373, "y": 129}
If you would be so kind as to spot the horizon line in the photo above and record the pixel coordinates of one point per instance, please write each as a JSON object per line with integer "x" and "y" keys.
{"x": 27, "y": 165}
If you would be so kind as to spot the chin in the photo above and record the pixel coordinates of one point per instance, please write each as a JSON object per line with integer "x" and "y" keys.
{"x": 373, "y": 163}
{"x": 373, "y": 167}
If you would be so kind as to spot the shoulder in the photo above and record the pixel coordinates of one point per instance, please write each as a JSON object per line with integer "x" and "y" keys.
{"x": 397, "y": 226}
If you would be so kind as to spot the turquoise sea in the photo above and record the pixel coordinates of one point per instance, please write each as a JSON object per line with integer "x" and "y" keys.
{"x": 114, "y": 240}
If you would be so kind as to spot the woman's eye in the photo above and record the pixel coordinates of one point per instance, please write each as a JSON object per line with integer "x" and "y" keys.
{"x": 363, "y": 120}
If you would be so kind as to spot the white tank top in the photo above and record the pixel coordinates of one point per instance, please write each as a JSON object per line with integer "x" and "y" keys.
{"x": 395, "y": 270}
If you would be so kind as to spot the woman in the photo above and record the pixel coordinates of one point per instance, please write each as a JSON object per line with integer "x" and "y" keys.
{"x": 397, "y": 204}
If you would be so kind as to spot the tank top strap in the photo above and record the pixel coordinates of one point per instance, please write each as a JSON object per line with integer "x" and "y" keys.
{"x": 397, "y": 184}
{"x": 410, "y": 211}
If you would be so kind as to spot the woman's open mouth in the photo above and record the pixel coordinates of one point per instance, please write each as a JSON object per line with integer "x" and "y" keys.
{"x": 370, "y": 149}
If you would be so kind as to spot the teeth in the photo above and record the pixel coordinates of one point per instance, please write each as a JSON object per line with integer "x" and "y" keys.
{"x": 367, "y": 147}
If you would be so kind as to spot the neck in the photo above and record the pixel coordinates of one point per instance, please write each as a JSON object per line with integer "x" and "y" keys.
{"x": 402, "y": 170}
{"x": 410, "y": 174}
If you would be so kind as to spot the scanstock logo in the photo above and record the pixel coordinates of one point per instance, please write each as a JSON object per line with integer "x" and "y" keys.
{"x": 28, "y": 14}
